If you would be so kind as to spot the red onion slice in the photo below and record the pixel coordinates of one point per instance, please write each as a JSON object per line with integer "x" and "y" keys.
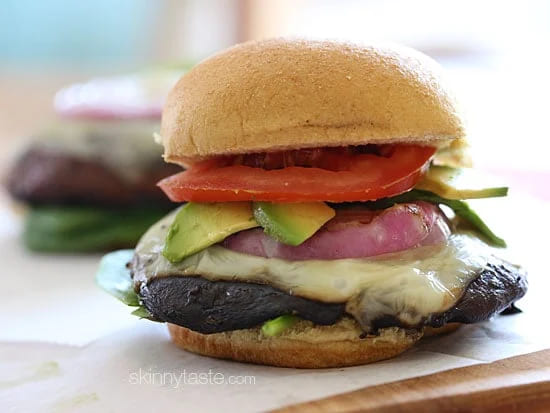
{"x": 398, "y": 228}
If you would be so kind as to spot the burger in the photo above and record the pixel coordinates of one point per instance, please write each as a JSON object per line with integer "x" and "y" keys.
{"x": 323, "y": 220}
{"x": 88, "y": 181}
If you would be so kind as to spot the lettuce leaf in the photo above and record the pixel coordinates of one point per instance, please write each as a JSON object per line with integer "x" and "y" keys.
{"x": 83, "y": 228}
{"x": 113, "y": 276}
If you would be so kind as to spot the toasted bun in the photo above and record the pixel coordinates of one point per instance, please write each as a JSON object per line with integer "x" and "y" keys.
{"x": 302, "y": 346}
{"x": 284, "y": 94}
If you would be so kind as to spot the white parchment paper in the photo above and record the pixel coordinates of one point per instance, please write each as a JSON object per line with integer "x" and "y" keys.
{"x": 67, "y": 346}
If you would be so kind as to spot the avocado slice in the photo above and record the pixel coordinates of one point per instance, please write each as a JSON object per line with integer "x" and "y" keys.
{"x": 199, "y": 225}
{"x": 292, "y": 223}
{"x": 272, "y": 328}
{"x": 460, "y": 183}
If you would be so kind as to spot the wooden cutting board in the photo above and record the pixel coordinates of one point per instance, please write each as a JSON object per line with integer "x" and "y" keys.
{"x": 517, "y": 384}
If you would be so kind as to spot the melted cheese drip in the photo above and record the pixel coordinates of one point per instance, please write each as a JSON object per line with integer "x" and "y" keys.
{"x": 409, "y": 285}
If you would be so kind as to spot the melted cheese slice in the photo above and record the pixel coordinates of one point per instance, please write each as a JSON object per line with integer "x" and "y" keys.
{"x": 409, "y": 285}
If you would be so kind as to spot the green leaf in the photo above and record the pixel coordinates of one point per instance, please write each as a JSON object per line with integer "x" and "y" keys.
{"x": 460, "y": 208}
{"x": 114, "y": 277}
{"x": 142, "y": 312}
{"x": 81, "y": 228}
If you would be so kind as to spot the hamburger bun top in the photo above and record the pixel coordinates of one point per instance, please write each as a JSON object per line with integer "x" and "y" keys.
{"x": 282, "y": 94}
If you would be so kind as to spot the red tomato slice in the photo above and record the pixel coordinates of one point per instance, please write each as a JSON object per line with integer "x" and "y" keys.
{"x": 356, "y": 177}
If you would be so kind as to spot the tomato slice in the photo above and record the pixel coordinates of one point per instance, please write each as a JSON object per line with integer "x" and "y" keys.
{"x": 351, "y": 177}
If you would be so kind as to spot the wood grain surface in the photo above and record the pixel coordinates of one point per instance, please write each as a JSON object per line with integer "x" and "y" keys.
{"x": 517, "y": 384}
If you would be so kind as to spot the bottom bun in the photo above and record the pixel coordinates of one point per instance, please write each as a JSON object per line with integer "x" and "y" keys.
{"x": 305, "y": 345}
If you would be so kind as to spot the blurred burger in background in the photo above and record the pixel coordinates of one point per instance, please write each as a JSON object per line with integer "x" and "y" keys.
{"x": 89, "y": 180}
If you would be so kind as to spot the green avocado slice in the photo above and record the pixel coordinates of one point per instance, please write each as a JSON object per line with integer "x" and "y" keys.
{"x": 272, "y": 328}
{"x": 460, "y": 183}
{"x": 292, "y": 223}
{"x": 199, "y": 225}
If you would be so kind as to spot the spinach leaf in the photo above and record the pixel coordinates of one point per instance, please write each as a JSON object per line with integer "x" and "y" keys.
{"x": 114, "y": 277}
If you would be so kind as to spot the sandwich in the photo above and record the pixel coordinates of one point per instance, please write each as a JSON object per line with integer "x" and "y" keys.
{"x": 88, "y": 181}
{"x": 323, "y": 220}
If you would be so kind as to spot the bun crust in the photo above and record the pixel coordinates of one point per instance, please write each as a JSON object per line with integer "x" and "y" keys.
{"x": 302, "y": 346}
{"x": 285, "y": 94}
